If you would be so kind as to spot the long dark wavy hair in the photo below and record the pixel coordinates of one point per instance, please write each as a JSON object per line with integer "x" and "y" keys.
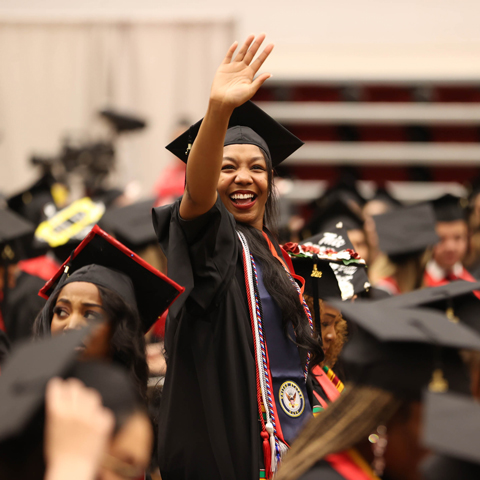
{"x": 276, "y": 281}
{"x": 127, "y": 343}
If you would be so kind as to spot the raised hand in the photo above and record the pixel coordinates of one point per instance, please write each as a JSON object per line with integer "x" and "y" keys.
{"x": 77, "y": 429}
{"x": 235, "y": 81}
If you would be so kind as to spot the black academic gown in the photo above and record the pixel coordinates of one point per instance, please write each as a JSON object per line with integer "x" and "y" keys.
{"x": 208, "y": 420}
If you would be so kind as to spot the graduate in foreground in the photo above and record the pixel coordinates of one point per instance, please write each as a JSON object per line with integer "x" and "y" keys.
{"x": 239, "y": 341}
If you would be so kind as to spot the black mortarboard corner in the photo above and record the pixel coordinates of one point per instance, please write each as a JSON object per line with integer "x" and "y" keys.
{"x": 131, "y": 225}
{"x": 451, "y": 428}
{"x": 25, "y": 375}
{"x": 257, "y": 128}
{"x": 122, "y": 122}
{"x": 449, "y": 208}
{"x": 456, "y": 299}
{"x": 16, "y": 235}
{"x": 29, "y": 203}
{"x": 104, "y": 261}
{"x": 405, "y": 350}
{"x": 406, "y": 230}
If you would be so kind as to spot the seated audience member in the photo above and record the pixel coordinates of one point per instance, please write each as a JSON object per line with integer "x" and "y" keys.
{"x": 404, "y": 236}
{"x": 449, "y": 253}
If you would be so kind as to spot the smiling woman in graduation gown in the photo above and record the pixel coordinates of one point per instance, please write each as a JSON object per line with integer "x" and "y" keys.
{"x": 217, "y": 419}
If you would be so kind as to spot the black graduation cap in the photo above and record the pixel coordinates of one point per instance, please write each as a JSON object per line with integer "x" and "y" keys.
{"x": 351, "y": 275}
{"x": 451, "y": 427}
{"x": 29, "y": 203}
{"x": 123, "y": 122}
{"x": 406, "y": 230}
{"x": 449, "y": 208}
{"x": 131, "y": 225}
{"x": 405, "y": 350}
{"x": 25, "y": 375}
{"x": 267, "y": 134}
{"x": 104, "y": 261}
{"x": 456, "y": 299}
{"x": 16, "y": 235}
{"x": 333, "y": 211}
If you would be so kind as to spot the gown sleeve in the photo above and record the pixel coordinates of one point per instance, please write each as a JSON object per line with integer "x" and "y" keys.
{"x": 202, "y": 253}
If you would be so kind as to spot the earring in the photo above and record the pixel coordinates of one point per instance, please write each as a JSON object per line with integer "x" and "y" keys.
{"x": 379, "y": 443}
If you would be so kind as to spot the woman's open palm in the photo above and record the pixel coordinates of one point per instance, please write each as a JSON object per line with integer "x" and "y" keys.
{"x": 235, "y": 81}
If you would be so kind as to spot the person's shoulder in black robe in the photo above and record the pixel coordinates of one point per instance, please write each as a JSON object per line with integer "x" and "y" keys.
{"x": 208, "y": 421}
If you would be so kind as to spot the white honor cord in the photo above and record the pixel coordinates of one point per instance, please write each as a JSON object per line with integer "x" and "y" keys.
{"x": 258, "y": 351}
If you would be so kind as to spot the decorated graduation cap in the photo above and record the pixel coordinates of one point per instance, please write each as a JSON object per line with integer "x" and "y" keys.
{"x": 16, "y": 235}
{"x": 71, "y": 224}
{"x": 349, "y": 268}
{"x": 250, "y": 125}
{"x": 457, "y": 299}
{"x": 450, "y": 208}
{"x": 131, "y": 225}
{"x": 103, "y": 261}
{"x": 451, "y": 429}
{"x": 328, "y": 265}
{"x": 404, "y": 350}
{"x": 407, "y": 230}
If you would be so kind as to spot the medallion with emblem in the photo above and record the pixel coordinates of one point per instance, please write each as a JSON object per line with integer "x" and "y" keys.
{"x": 291, "y": 399}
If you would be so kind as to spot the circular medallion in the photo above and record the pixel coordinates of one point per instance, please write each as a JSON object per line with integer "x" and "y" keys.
{"x": 291, "y": 399}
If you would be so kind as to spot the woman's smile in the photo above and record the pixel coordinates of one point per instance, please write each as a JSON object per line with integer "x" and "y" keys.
{"x": 243, "y": 199}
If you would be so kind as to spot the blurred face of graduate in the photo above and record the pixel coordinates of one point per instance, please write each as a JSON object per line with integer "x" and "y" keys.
{"x": 452, "y": 247}
{"x": 243, "y": 185}
{"x": 79, "y": 304}
{"x": 330, "y": 319}
{"x": 129, "y": 453}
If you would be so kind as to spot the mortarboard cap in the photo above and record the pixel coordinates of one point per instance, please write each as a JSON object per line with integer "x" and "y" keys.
{"x": 122, "y": 122}
{"x": 402, "y": 350}
{"x": 456, "y": 299}
{"x": 71, "y": 224}
{"x": 406, "y": 230}
{"x": 451, "y": 428}
{"x": 248, "y": 124}
{"x": 449, "y": 208}
{"x": 102, "y": 260}
{"x": 25, "y": 375}
{"x": 350, "y": 272}
{"x": 16, "y": 235}
{"x": 318, "y": 275}
{"x": 29, "y": 203}
{"x": 333, "y": 211}
{"x": 131, "y": 225}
